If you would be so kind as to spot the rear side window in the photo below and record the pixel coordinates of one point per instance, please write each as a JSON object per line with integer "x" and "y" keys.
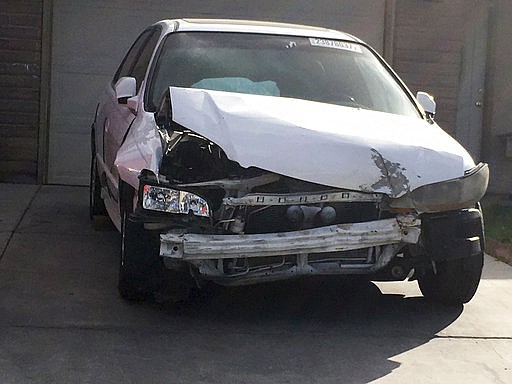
{"x": 137, "y": 59}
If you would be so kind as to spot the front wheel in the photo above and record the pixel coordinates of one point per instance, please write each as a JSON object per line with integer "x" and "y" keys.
{"x": 452, "y": 282}
{"x": 142, "y": 273}
{"x": 135, "y": 267}
{"x": 455, "y": 245}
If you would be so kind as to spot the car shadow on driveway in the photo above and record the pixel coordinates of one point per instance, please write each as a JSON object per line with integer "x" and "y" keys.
{"x": 330, "y": 300}
{"x": 63, "y": 321}
{"x": 318, "y": 328}
{"x": 62, "y": 317}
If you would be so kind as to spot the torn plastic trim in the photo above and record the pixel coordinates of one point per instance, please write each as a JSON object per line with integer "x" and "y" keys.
{"x": 334, "y": 238}
{"x": 448, "y": 195}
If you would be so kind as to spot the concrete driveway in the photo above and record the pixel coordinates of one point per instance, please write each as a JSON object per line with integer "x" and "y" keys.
{"x": 61, "y": 320}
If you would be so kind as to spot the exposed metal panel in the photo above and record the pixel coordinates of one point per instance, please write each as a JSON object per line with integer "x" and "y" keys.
{"x": 90, "y": 39}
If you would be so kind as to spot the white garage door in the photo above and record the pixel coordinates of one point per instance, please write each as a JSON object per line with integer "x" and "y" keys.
{"x": 89, "y": 38}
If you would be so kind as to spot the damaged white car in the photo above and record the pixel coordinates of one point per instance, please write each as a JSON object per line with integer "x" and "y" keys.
{"x": 240, "y": 152}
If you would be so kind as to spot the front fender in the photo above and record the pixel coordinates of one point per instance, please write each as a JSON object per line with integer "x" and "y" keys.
{"x": 141, "y": 149}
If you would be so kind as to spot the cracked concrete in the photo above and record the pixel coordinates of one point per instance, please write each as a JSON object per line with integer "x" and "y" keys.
{"x": 62, "y": 321}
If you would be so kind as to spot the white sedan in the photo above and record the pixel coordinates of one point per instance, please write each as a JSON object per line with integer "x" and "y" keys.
{"x": 239, "y": 152}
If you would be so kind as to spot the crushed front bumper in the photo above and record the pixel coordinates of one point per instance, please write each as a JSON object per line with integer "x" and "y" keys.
{"x": 335, "y": 238}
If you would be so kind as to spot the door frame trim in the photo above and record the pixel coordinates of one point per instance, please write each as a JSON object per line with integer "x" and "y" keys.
{"x": 45, "y": 92}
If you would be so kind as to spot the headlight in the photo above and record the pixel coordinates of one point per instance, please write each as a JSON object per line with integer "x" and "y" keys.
{"x": 173, "y": 201}
{"x": 448, "y": 195}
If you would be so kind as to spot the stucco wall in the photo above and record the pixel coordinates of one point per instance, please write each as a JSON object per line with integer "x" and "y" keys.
{"x": 498, "y": 122}
{"x": 428, "y": 45}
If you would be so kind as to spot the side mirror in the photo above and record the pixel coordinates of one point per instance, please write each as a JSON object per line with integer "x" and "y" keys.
{"x": 428, "y": 103}
{"x": 125, "y": 88}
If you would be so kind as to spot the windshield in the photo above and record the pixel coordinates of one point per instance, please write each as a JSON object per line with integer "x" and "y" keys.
{"x": 329, "y": 71}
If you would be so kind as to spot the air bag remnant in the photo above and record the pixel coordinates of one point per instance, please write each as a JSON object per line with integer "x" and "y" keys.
{"x": 392, "y": 174}
{"x": 239, "y": 84}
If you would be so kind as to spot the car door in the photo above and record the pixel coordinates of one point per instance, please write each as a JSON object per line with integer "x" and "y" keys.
{"x": 115, "y": 116}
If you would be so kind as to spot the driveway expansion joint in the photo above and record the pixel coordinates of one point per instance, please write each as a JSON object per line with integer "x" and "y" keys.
{"x": 15, "y": 230}
{"x": 473, "y": 337}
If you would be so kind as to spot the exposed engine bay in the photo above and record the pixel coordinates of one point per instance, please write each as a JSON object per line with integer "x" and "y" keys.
{"x": 240, "y": 225}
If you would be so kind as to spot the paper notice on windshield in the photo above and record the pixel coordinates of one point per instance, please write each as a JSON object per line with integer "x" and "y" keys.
{"x": 336, "y": 44}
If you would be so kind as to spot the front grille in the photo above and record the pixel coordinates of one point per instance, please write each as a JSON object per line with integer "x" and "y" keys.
{"x": 244, "y": 266}
{"x": 272, "y": 219}
{"x": 267, "y": 220}
{"x": 355, "y": 256}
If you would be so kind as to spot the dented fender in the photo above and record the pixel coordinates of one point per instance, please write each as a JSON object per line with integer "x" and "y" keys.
{"x": 142, "y": 149}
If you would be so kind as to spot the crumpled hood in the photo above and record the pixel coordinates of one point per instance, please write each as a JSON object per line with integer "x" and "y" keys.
{"x": 327, "y": 144}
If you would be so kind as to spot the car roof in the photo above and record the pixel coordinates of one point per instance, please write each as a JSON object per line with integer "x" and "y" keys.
{"x": 252, "y": 26}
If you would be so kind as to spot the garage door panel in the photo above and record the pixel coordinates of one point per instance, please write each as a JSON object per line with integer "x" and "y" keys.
{"x": 70, "y": 157}
{"x": 76, "y": 99}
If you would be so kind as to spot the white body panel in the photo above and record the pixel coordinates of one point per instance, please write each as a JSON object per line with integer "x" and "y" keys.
{"x": 327, "y": 144}
{"x": 247, "y": 26}
{"x": 142, "y": 149}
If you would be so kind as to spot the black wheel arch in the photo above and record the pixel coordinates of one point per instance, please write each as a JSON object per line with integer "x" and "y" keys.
{"x": 453, "y": 235}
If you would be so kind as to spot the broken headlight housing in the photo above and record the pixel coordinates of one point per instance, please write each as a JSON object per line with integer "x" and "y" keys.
{"x": 448, "y": 195}
{"x": 173, "y": 201}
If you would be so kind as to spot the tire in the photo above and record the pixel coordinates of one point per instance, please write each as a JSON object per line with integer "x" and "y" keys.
{"x": 134, "y": 269}
{"x": 96, "y": 204}
{"x": 142, "y": 273}
{"x": 453, "y": 282}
